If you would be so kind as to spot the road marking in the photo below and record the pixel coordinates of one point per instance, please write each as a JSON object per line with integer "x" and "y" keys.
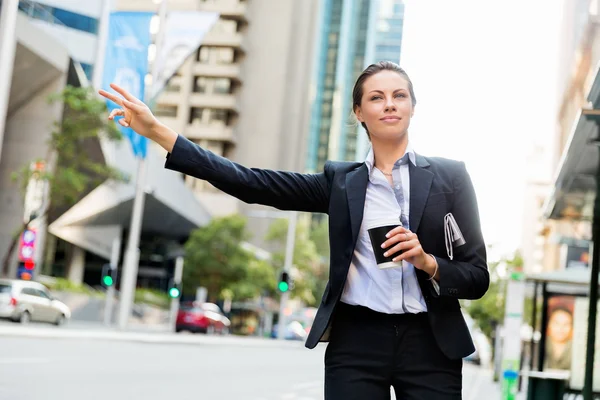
{"x": 22, "y": 360}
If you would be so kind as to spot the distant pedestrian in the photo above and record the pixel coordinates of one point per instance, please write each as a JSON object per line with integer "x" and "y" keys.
{"x": 391, "y": 319}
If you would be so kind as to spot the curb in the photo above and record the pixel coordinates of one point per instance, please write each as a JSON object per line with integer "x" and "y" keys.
{"x": 148, "y": 338}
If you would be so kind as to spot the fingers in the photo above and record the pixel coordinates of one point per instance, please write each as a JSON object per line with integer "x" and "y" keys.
{"x": 124, "y": 93}
{"x": 409, "y": 254}
{"x": 397, "y": 230}
{"x": 402, "y": 246}
{"x": 111, "y": 97}
{"x": 117, "y": 112}
{"x": 405, "y": 235}
{"x": 122, "y": 122}
{"x": 137, "y": 108}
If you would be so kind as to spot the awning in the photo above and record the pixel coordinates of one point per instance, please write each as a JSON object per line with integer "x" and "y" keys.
{"x": 574, "y": 189}
{"x": 575, "y": 281}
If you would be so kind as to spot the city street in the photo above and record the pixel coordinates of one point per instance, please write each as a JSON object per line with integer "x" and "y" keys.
{"x": 75, "y": 368}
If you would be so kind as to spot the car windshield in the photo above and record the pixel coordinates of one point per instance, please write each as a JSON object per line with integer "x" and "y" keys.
{"x": 4, "y": 288}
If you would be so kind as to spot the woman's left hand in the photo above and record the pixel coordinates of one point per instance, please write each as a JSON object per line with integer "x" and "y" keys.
{"x": 402, "y": 239}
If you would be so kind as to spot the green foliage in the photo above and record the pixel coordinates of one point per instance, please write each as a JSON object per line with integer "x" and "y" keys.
{"x": 216, "y": 260}
{"x": 489, "y": 310}
{"x": 65, "y": 285}
{"x": 84, "y": 119}
{"x": 310, "y": 274}
{"x": 152, "y": 297}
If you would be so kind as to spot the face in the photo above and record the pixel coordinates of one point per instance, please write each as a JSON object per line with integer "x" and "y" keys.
{"x": 560, "y": 326}
{"x": 386, "y": 107}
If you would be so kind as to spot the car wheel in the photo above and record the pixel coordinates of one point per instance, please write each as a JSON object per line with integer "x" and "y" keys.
{"x": 60, "y": 320}
{"x": 210, "y": 330}
{"x": 25, "y": 318}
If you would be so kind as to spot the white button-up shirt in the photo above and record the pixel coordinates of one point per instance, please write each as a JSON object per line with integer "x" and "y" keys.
{"x": 392, "y": 290}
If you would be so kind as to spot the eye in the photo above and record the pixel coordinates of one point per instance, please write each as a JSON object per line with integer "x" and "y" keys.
{"x": 375, "y": 97}
{"x": 400, "y": 95}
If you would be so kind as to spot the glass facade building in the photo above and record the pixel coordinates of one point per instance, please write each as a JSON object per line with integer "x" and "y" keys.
{"x": 352, "y": 35}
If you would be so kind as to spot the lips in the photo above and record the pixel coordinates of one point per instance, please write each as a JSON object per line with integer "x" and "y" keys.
{"x": 391, "y": 118}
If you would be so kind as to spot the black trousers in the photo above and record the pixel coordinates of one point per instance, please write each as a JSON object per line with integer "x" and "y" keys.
{"x": 369, "y": 352}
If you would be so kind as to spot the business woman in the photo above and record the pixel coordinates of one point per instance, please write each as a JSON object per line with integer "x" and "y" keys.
{"x": 399, "y": 327}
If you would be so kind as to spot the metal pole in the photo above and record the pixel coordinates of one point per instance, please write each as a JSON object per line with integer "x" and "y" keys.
{"x": 289, "y": 259}
{"x": 132, "y": 254}
{"x": 8, "y": 44}
{"x": 110, "y": 293}
{"x": 533, "y": 326}
{"x": 544, "y": 327}
{"x": 102, "y": 38}
{"x": 588, "y": 383}
{"x": 175, "y": 301}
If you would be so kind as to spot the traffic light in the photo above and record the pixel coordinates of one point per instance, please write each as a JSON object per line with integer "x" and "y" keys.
{"x": 174, "y": 289}
{"x": 284, "y": 282}
{"x": 109, "y": 276}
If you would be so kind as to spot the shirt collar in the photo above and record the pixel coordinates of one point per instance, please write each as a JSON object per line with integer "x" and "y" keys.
{"x": 370, "y": 160}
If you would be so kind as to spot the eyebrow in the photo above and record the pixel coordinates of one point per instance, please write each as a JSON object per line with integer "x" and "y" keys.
{"x": 379, "y": 91}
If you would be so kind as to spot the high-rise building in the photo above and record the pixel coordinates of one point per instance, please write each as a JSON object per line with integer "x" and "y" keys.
{"x": 352, "y": 35}
{"x": 244, "y": 93}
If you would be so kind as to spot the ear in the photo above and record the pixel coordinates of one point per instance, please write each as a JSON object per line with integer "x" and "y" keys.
{"x": 358, "y": 113}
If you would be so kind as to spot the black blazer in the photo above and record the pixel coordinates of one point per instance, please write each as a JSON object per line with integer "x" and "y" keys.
{"x": 437, "y": 186}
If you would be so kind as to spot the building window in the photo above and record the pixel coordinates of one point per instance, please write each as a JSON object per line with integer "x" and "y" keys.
{"x": 196, "y": 115}
{"x": 200, "y": 84}
{"x": 88, "y": 69}
{"x": 219, "y": 115}
{"x": 222, "y": 86}
{"x": 54, "y": 14}
{"x": 162, "y": 110}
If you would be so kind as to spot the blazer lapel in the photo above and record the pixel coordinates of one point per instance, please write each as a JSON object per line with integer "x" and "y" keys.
{"x": 420, "y": 184}
{"x": 356, "y": 191}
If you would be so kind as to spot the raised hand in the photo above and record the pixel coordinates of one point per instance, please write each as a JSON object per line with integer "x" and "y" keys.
{"x": 135, "y": 113}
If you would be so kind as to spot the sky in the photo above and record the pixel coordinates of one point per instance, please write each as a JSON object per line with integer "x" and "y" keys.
{"x": 485, "y": 79}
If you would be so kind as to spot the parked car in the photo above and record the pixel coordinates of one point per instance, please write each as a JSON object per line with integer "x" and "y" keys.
{"x": 24, "y": 301}
{"x": 201, "y": 317}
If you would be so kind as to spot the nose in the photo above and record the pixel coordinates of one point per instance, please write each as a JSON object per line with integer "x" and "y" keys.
{"x": 389, "y": 105}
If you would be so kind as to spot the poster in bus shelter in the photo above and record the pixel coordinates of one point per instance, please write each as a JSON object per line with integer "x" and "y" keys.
{"x": 579, "y": 345}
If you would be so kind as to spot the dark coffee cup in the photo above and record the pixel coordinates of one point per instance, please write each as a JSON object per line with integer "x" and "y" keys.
{"x": 377, "y": 230}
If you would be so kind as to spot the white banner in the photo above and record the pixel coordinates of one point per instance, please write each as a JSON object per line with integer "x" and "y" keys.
{"x": 182, "y": 35}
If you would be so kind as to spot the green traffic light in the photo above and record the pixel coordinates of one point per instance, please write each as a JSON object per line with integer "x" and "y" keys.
{"x": 283, "y": 286}
{"x": 174, "y": 292}
{"x": 108, "y": 281}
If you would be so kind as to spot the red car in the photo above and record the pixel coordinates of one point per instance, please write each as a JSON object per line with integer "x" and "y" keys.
{"x": 201, "y": 317}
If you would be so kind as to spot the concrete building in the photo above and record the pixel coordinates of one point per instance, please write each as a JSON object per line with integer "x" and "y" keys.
{"x": 45, "y": 57}
{"x": 569, "y": 206}
{"x": 244, "y": 93}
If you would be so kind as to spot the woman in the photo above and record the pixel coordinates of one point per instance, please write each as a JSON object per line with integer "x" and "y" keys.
{"x": 399, "y": 327}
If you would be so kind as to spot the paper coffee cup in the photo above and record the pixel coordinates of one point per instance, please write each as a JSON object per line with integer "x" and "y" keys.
{"x": 377, "y": 230}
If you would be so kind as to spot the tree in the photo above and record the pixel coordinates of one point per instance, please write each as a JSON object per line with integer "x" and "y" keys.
{"x": 489, "y": 310}
{"x": 69, "y": 170}
{"x": 215, "y": 259}
{"x": 309, "y": 281}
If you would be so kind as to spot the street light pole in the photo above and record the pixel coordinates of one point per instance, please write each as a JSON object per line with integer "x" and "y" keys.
{"x": 178, "y": 274}
{"x": 287, "y": 267}
{"x": 110, "y": 293}
{"x": 292, "y": 217}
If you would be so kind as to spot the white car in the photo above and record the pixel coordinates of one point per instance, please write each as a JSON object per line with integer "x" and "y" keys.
{"x": 24, "y": 301}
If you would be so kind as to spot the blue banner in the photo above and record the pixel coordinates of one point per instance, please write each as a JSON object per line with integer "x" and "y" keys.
{"x": 126, "y": 63}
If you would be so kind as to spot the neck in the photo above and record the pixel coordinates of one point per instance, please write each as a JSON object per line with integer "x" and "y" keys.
{"x": 387, "y": 152}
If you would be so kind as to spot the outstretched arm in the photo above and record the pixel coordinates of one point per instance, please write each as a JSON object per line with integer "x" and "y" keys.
{"x": 283, "y": 190}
